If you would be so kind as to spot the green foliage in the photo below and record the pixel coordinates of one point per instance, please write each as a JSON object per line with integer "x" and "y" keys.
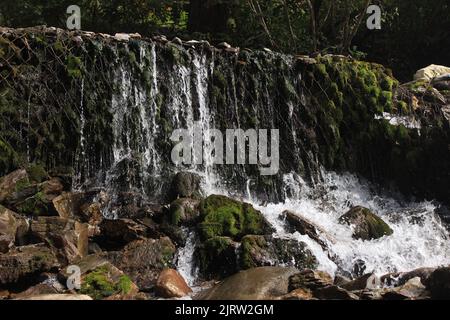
{"x": 37, "y": 173}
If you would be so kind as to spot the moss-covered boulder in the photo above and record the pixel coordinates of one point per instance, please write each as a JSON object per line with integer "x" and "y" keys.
{"x": 217, "y": 257}
{"x": 367, "y": 225}
{"x": 222, "y": 216}
{"x": 258, "y": 251}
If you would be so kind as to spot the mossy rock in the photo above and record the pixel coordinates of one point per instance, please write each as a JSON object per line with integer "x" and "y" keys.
{"x": 37, "y": 173}
{"x": 223, "y": 216}
{"x": 367, "y": 225}
{"x": 259, "y": 251}
{"x": 106, "y": 281}
{"x": 217, "y": 257}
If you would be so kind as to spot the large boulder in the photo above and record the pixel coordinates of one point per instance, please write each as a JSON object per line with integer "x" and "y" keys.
{"x": 170, "y": 284}
{"x": 367, "y": 225}
{"x": 25, "y": 262}
{"x": 68, "y": 204}
{"x": 262, "y": 283}
{"x": 69, "y": 236}
{"x": 258, "y": 251}
{"x": 143, "y": 260}
{"x": 185, "y": 185}
{"x": 296, "y": 223}
{"x": 223, "y": 216}
{"x": 13, "y": 229}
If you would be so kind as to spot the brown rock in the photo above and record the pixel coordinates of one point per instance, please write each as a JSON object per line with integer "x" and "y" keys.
{"x": 170, "y": 284}
{"x": 67, "y": 204}
{"x": 310, "y": 279}
{"x": 52, "y": 188}
{"x": 413, "y": 289}
{"x": 143, "y": 260}
{"x": 68, "y": 235}
{"x": 114, "y": 234}
{"x": 26, "y": 261}
{"x": 13, "y": 228}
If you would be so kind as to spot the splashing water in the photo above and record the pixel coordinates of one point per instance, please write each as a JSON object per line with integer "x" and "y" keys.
{"x": 419, "y": 239}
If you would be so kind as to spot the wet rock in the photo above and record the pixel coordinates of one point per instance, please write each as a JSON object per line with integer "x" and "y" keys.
{"x": 413, "y": 289}
{"x": 143, "y": 260}
{"x": 217, "y": 257}
{"x": 303, "y": 226}
{"x": 434, "y": 96}
{"x": 258, "y": 251}
{"x": 91, "y": 213}
{"x": 185, "y": 185}
{"x": 367, "y": 281}
{"x": 334, "y": 293}
{"x": 13, "y": 229}
{"x": 170, "y": 284}
{"x": 310, "y": 279}
{"x": 398, "y": 279}
{"x": 105, "y": 281}
{"x": 367, "y": 226}
{"x": 56, "y": 297}
{"x": 184, "y": 211}
{"x": 439, "y": 283}
{"x": 306, "y": 59}
{"x": 70, "y": 236}
{"x": 222, "y": 216}
{"x": 264, "y": 283}
{"x": 26, "y": 262}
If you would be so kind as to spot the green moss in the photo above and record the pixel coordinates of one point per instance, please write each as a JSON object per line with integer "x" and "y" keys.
{"x": 217, "y": 257}
{"x": 248, "y": 245}
{"x": 223, "y": 216}
{"x": 74, "y": 66}
{"x": 124, "y": 285}
{"x": 37, "y": 173}
{"x": 98, "y": 285}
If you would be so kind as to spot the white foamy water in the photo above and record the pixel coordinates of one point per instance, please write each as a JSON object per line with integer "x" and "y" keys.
{"x": 419, "y": 239}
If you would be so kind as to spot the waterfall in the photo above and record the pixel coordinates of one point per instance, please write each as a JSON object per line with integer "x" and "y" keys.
{"x": 221, "y": 92}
